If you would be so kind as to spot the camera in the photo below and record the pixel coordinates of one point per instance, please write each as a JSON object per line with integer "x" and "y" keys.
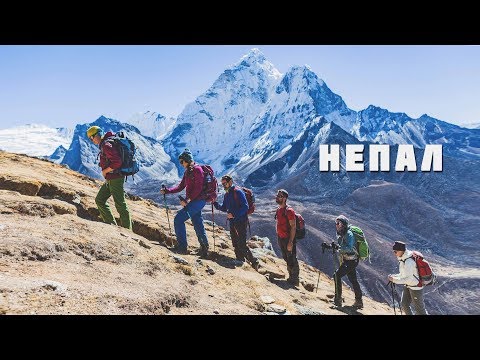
{"x": 332, "y": 246}
{"x": 325, "y": 246}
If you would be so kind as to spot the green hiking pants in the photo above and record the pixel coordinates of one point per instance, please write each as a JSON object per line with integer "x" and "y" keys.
{"x": 113, "y": 188}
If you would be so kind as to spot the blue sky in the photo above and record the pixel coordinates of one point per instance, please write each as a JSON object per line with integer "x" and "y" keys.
{"x": 65, "y": 85}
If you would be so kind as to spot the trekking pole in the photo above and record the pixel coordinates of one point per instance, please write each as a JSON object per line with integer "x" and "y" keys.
{"x": 334, "y": 256}
{"x": 213, "y": 227}
{"x": 166, "y": 209}
{"x": 395, "y": 290}
{"x": 318, "y": 280}
{"x": 393, "y": 298}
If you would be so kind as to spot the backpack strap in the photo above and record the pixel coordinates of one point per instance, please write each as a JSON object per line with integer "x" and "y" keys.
{"x": 414, "y": 257}
{"x": 102, "y": 153}
{"x": 284, "y": 214}
{"x": 235, "y": 197}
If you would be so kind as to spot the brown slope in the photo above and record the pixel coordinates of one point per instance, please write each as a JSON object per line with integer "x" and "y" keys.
{"x": 387, "y": 212}
{"x": 56, "y": 257}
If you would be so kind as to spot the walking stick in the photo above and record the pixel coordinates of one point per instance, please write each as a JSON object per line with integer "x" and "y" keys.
{"x": 318, "y": 280}
{"x": 399, "y": 306}
{"x": 213, "y": 225}
{"x": 393, "y": 298}
{"x": 333, "y": 247}
{"x": 166, "y": 209}
{"x": 394, "y": 292}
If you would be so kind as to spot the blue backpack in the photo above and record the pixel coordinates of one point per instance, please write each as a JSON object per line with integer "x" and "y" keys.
{"x": 126, "y": 149}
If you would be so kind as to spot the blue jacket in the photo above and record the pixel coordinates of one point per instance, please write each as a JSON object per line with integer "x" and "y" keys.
{"x": 238, "y": 208}
{"x": 348, "y": 245}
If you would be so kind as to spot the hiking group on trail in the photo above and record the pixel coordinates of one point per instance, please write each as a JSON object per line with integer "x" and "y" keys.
{"x": 200, "y": 187}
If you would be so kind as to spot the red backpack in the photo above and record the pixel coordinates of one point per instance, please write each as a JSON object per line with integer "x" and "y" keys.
{"x": 426, "y": 276}
{"x": 250, "y": 198}
{"x": 210, "y": 185}
{"x": 299, "y": 224}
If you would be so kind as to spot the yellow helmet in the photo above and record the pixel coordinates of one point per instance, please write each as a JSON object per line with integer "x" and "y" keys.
{"x": 93, "y": 130}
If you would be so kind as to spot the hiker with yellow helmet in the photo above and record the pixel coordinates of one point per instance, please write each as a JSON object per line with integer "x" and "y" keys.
{"x": 110, "y": 160}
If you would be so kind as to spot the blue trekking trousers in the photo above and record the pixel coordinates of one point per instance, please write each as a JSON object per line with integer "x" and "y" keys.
{"x": 193, "y": 210}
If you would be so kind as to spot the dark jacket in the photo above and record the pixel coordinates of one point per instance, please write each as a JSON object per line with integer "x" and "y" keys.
{"x": 234, "y": 202}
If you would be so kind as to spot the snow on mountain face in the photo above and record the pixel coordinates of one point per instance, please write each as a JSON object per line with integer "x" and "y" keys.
{"x": 34, "y": 139}
{"x": 152, "y": 124}
{"x": 58, "y": 155}
{"x": 154, "y": 162}
{"x": 299, "y": 155}
{"x": 299, "y": 100}
{"x": 223, "y": 115}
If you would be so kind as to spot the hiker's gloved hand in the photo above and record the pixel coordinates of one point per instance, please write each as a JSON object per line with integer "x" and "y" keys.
{"x": 335, "y": 246}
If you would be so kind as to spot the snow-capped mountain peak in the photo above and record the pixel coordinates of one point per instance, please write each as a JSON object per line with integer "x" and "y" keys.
{"x": 299, "y": 76}
{"x": 152, "y": 124}
{"x": 223, "y": 116}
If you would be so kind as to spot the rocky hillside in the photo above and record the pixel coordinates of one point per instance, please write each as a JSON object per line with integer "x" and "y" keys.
{"x": 56, "y": 257}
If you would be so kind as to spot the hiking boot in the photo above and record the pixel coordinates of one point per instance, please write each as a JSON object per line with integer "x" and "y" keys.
{"x": 179, "y": 250}
{"x": 358, "y": 303}
{"x": 203, "y": 252}
{"x": 294, "y": 281}
{"x": 256, "y": 265}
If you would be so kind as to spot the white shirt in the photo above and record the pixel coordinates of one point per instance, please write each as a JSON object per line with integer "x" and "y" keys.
{"x": 408, "y": 272}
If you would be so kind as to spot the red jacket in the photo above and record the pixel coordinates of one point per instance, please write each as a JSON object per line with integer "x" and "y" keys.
{"x": 109, "y": 156}
{"x": 193, "y": 181}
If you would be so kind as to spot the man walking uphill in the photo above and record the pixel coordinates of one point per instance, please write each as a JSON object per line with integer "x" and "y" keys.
{"x": 235, "y": 204}
{"x": 286, "y": 226}
{"x": 110, "y": 161}
{"x": 192, "y": 206}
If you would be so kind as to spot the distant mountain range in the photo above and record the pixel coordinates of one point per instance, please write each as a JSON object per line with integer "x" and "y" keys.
{"x": 265, "y": 128}
{"x": 82, "y": 155}
{"x": 34, "y": 139}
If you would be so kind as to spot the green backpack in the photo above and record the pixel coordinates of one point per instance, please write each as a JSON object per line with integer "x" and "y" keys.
{"x": 362, "y": 246}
